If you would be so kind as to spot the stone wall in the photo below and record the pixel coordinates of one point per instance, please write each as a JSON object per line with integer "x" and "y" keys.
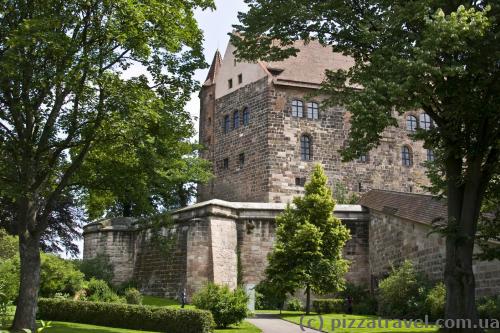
{"x": 239, "y": 182}
{"x": 393, "y": 239}
{"x": 271, "y": 146}
{"x": 329, "y": 134}
{"x": 207, "y": 241}
{"x": 116, "y": 239}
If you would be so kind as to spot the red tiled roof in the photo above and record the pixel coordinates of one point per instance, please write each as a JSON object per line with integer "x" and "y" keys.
{"x": 416, "y": 207}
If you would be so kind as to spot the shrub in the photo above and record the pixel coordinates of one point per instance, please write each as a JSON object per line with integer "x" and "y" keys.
{"x": 294, "y": 304}
{"x": 329, "y": 305}
{"x": 269, "y": 297}
{"x": 402, "y": 293}
{"x": 363, "y": 302}
{"x": 435, "y": 301}
{"x": 100, "y": 291}
{"x": 4, "y": 303}
{"x": 489, "y": 307}
{"x": 9, "y": 246}
{"x": 227, "y": 307}
{"x": 9, "y": 274}
{"x": 136, "y": 317}
{"x": 58, "y": 275}
{"x": 133, "y": 296}
{"x": 99, "y": 267}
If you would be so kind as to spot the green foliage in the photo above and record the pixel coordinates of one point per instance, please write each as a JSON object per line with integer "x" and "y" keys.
{"x": 9, "y": 276}
{"x": 59, "y": 276}
{"x": 437, "y": 56}
{"x": 489, "y": 307}
{"x": 227, "y": 307}
{"x": 402, "y": 294}
{"x": 309, "y": 242}
{"x": 133, "y": 296}
{"x": 363, "y": 302}
{"x": 435, "y": 301}
{"x": 100, "y": 291}
{"x": 329, "y": 305}
{"x": 270, "y": 296}
{"x": 294, "y": 304}
{"x": 342, "y": 196}
{"x": 9, "y": 245}
{"x": 160, "y": 319}
{"x": 4, "y": 304}
{"x": 98, "y": 267}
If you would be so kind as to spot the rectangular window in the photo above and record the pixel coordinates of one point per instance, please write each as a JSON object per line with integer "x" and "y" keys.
{"x": 230, "y": 83}
{"x": 225, "y": 164}
{"x": 300, "y": 181}
{"x": 240, "y": 79}
{"x": 242, "y": 160}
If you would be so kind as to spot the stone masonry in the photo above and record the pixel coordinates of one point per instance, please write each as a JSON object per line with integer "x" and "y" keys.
{"x": 270, "y": 142}
{"x": 228, "y": 243}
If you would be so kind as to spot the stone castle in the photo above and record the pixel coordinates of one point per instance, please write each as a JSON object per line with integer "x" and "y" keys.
{"x": 263, "y": 132}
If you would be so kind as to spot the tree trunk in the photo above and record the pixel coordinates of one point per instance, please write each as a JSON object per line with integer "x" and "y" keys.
{"x": 29, "y": 251}
{"x": 308, "y": 299}
{"x": 464, "y": 203}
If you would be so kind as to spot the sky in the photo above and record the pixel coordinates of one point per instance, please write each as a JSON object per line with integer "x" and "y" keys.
{"x": 216, "y": 25}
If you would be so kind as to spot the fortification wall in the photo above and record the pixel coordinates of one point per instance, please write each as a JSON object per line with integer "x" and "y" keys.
{"x": 393, "y": 239}
{"x": 217, "y": 241}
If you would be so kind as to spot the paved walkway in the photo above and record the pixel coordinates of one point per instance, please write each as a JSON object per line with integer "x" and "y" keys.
{"x": 269, "y": 323}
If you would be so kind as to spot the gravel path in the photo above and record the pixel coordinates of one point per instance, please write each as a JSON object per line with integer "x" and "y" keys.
{"x": 269, "y": 323}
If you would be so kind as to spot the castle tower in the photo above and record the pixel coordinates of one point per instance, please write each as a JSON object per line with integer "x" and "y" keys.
{"x": 264, "y": 129}
{"x": 206, "y": 121}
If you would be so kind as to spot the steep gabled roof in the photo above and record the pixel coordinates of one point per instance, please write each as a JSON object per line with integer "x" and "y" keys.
{"x": 309, "y": 66}
{"x": 421, "y": 208}
{"x": 214, "y": 68}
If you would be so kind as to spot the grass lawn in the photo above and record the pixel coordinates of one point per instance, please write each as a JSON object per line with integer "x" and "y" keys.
{"x": 392, "y": 325}
{"x": 160, "y": 301}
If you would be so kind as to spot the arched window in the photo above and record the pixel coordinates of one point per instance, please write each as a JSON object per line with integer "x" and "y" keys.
{"x": 305, "y": 148}
{"x": 406, "y": 156}
{"x": 227, "y": 124}
{"x": 430, "y": 155}
{"x": 297, "y": 108}
{"x": 236, "y": 119}
{"x": 312, "y": 110}
{"x": 425, "y": 121}
{"x": 246, "y": 116}
{"x": 411, "y": 123}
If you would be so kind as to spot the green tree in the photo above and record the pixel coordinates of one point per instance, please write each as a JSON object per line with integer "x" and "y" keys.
{"x": 147, "y": 161}
{"x": 440, "y": 56}
{"x": 61, "y": 64}
{"x": 8, "y": 245}
{"x": 309, "y": 242}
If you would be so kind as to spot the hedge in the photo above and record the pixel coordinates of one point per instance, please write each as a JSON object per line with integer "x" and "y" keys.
{"x": 138, "y": 317}
{"x": 329, "y": 305}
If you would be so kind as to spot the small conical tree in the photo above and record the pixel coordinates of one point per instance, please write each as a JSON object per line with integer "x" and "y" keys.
{"x": 309, "y": 242}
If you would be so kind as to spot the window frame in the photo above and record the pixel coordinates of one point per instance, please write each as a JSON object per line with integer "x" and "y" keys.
{"x": 225, "y": 163}
{"x": 236, "y": 119}
{"x": 230, "y": 84}
{"x": 246, "y": 116}
{"x": 314, "y": 106}
{"x": 406, "y": 156}
{"x": 411, "y": 119}
{"x": 298, "y": 113}
{"x": 306, "y": 153}
{"x": 430, "y": 155}
{"x": 425, "y": 120}
{"x": 226, "y": 124}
